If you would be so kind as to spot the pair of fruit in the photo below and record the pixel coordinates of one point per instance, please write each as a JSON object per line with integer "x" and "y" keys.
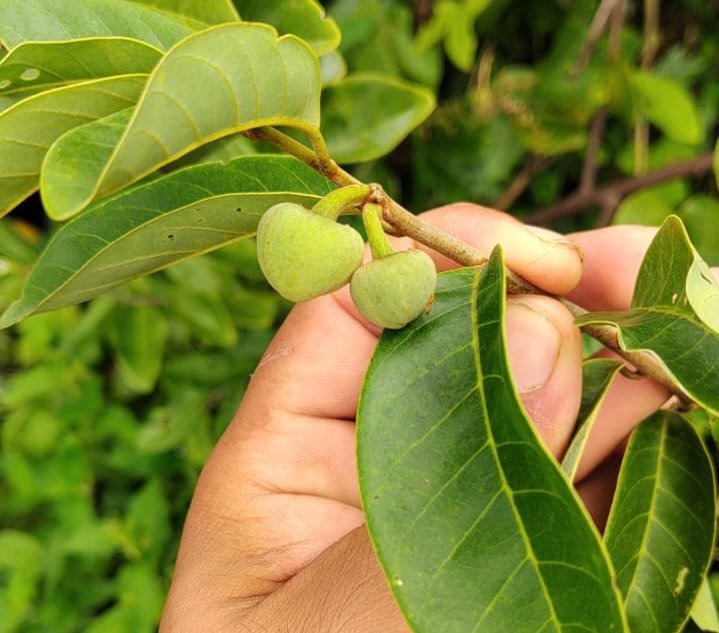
{"x": 306, "y": 253}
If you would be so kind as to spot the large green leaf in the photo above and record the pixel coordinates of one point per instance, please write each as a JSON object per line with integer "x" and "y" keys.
{"x": 597, "y": 377}
{"x": 674, "y": 314}
{"x": 660, "y": 532}
{"x": 207, "y": 11}
{"x": 215, "y": 83}
{"x": 668, "y": 105}
{"x": 156, "y": 224}
{"x": 475, "y": 525}
{"x": 33, "y": 65}
{"x": 366, "y": 116}
{"x": 50, "y": 20}
{"x": 304, "y": 18}
{"x": 75, "y": 161}
{"x": 28, "y": 128}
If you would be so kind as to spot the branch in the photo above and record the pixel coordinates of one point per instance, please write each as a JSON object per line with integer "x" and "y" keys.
{"x": 596, "y": 30}
{"x": 402, "y": 222}
{"x": 618, "y": 190}
{"x": 532, "y": 166}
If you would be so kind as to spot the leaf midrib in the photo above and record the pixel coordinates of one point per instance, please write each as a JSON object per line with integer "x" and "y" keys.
{"x": 531, "y": 555}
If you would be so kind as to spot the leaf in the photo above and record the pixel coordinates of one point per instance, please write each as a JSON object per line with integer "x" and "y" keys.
{"x": 674, "y": 274}
{"x": 333, "y": 66}
{"x": 700, "y": 214}
{"x": 42, "y": 65}
{"x": 660, "y": 532}
{"x": 159, "y": 223}
{"x": 303, "y": 18}
{"x": 597, "y": 377}
{"x": 139, "y": 334}
{"x": 668, "y": 105}
{"x": 76, "y": 160}
{"x": 52, "y": 20}
{"x": 475, "y": 525}
{"x": 28, "y": 128}
{"x": 674, "y": 313}
{"x": 207, "y": 11}
{"x": 218, "y": 82}
{"x": 704, "y": 610}
{"x": 651, "y": 205}
{"x": 366, "y": 116}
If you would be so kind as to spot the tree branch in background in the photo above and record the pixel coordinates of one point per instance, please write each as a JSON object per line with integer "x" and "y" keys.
{"x": 596, "y": 30}
{"x": 532, "y": 166}
{"x": 615, "y": 192}
{"x": 649, "y": 51}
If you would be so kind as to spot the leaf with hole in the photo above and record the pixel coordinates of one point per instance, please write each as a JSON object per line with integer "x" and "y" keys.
{"x": 31, "y": 66}
{"x": 51, "y": 20}
{"x": 164, "y": 221}
{"x": 472, "y": 520}
{"x": 660, "y": 532}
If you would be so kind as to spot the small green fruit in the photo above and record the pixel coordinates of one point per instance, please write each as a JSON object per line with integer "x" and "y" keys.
{"x": 304, "y": 255}
{"x": 396, "y": 289}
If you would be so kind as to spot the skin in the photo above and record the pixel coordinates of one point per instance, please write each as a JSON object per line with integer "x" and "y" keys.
{"x": 275, "y": 539}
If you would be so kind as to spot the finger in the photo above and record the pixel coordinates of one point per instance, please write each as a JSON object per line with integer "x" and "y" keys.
{"x": 612, "y": 257}
{"x": 545, "y": 357}
{"x": 597, "y": 489}
{"x": 543, "y": 258}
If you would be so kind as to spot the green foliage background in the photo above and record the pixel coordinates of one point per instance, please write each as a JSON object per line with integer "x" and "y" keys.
{"x": 110, "y": 409}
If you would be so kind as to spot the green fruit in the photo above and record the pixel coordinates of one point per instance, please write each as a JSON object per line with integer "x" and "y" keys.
{"x": 396, "y": 289}
{"x": 304, "y": 255}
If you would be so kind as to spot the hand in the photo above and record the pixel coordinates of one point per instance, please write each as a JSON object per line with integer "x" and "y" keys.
{"x": 274, "y": 538}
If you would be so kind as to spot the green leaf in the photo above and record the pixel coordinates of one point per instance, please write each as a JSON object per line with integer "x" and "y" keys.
{"x": 674, "y": 314}
{"x": 652, "y": 205}
{"x": 475, "y": 525}
{"x": 700, "y": 214}
{"x": 704, "y": 610}
{"x": 154, "y": 225}
{"x": 52, "y": 20}
{"x": 660, "y": 532}
{"x": 674, "y": 276}
{"x": 139, "y": 334}
{"x": 597, "y": 377}
{"x": 333, "y": 66}
{"x": 668, "y": 105}
{"x": 215, "y": 83}
{"x": 366, "y": 116}
{"x": 42, "y": 65}
{"x": 28, "y": 128}
{"x": 76, "y": 160}
{"x": 206, "y": 11}
{"x": 304, "y": 18}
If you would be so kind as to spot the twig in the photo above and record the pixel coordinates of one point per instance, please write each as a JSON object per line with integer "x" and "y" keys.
{"x": 644, "y": 363}
{"x": 532, "y": 166}
{"x": 616, "y": 191}
{"x": 596, "y": 30}
{"x": 589, "y": 168}
{"x": 402, "y": 222}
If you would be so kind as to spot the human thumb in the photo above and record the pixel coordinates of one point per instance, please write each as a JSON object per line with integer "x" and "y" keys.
{"x": 545, "y": 357}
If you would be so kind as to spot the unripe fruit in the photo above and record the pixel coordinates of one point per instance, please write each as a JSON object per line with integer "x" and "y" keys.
{"x": 396, "y": 289}
{"x": 304, "y": 255}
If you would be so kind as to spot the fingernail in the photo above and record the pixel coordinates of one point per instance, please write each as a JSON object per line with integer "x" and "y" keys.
{"x": 554, "y": 239}
{"x": 533, "y": 345}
